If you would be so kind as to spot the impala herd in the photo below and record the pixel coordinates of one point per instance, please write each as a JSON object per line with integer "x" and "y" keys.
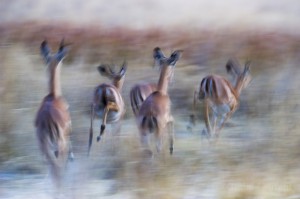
{"x": 150, "y": 103}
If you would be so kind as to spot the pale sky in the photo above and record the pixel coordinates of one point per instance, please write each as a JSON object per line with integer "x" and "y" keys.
{"x": 158, "y": 13}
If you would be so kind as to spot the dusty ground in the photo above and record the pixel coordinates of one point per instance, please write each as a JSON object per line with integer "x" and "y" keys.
{"x": 257, "y": 155}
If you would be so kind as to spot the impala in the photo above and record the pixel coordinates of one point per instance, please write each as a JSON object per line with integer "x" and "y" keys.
{"x": 220, "y": 97}
{"x": 155, "y": 112}
{"x": 53, "y": 122}
{"x": 108, "y": 102}
{"x": 139, "y": 92}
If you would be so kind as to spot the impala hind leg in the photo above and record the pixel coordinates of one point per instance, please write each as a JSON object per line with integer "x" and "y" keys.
{"x": 116, "y": 129}
{"x": 144, "y": 138}
{"x": 170, "y": 127}
{"x": 109, "y": 106}
{"x": 102, "y": 127}
{"x": 52, "y": 163}
{"x": 207, "y": 119}
{"x": 215, "y": 126}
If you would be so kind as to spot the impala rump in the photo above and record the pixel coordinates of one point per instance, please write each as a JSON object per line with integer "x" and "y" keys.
{"x": 105, "y": 94}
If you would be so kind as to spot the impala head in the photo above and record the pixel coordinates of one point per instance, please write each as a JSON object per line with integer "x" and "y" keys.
{"x": 161, "y": 60}
{"x": 158, "y": 55}
{"x": 52, "y": 60}
{"x": 117, "y": 77}
{"x": 242, "y": 78}
{"x": 108, "y": 71}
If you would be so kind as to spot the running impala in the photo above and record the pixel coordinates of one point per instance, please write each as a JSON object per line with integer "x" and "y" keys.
{"x": 139, "y": 92}
{"x": 155, "y": 112}
{"x": 108, "y": 102}
{"x": 220, "y": 97}
{"x": 53, "y": 123}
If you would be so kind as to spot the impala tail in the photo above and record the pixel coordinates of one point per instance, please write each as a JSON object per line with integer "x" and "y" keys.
{"x": 150, "y": 122}
{"x": 207, "y": 88}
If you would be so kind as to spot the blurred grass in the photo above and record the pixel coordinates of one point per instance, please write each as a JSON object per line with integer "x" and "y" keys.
{"x": 258, "y": 152}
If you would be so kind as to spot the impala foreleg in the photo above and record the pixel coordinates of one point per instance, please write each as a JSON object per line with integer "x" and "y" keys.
{"x": 193, "y": 115}
{"x": 91, "y": 129}
{"x": 222, "y": 122}
{"x": 171, "y": 136}
{"x": 71, "y": 154}
{"x": 102, "y": 128}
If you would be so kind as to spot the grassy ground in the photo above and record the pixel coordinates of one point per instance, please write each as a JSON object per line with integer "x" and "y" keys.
{"x": 257, "y": 155}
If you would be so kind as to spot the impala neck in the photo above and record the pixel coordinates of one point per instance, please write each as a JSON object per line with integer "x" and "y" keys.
{"x": 163, "y": 81}
{"x": 238, "y": 87}
{"x": 118, "y": 83}
{"x": 54, "y": 81}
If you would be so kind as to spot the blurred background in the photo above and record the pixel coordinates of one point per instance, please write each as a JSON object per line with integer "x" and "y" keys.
{"x": 258, "y": 153}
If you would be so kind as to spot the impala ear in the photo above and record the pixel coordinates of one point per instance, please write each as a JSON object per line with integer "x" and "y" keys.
{"x": 102, "y": 69}
{"x": 232, "y": 67}
{"x": 175, "y": 57}
{"x": 45, "y": 51}
{"x": 123, "y": 69}
{"x": 62, "y": 51}
{"x": 62, "y": 44}
{"x": 247, "y": 67}
{"x": 158, "y": 56}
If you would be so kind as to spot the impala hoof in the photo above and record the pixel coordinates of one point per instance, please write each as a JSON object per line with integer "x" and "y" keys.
{"x": 171, "y": 151}
{"x": 98, "y": 138}
{"x": 56, "y": 154}
{"x": 71, "y": 157}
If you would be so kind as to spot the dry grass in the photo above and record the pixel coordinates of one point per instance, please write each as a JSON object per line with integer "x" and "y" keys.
{"x": 256, "y": 157}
